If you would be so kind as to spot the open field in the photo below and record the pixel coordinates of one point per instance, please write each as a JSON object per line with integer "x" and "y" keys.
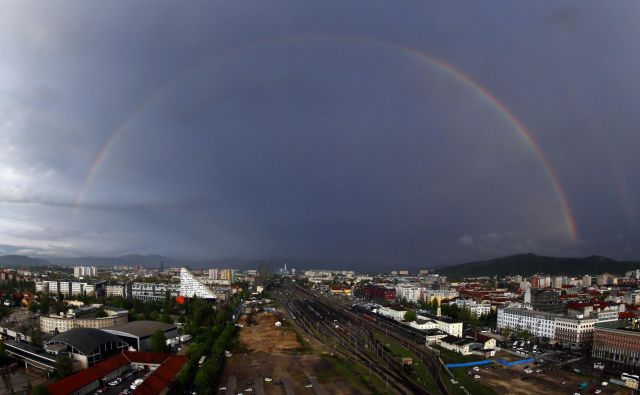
{"x": 260, "y": 334}
{"x": 268, "y": 351}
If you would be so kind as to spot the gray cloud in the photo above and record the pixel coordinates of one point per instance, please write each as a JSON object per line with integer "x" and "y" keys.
{"x": 263, "y": 129}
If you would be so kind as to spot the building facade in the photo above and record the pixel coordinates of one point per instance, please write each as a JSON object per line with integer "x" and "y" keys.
{"x": 575, "y": 333}
{"x": 59, "y": 324}
{"x": 190, "y": 286}
{"x": 154, "y": 291}
{"x": 84, "y": 271}
{"x": 538, "y": 323}
{"x": 617, "y": 342}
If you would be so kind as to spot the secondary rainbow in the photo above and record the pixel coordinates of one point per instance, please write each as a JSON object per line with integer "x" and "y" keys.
{"x": 450, "y": 70}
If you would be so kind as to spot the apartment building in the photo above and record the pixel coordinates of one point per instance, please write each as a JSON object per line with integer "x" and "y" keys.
{"x": 154, "y": 291}
{"x": 65, "y": 288}
{"x": 84, "y": 271}
{"x": 115, "y": 290}
{"x": 575, "y": 333}
{"x": 475, "y": 308}
{"x": 409, "y": 292}
{"x": 538, "y": 323}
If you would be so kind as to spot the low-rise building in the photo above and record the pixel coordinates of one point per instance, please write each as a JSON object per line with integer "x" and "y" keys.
{"x": 617, "y": 342}
{"x": 63, "y": 323}
{"x": 395, "y": 312}
{"x": 459, "y": 345}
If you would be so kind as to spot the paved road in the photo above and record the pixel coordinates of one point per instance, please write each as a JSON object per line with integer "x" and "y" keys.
{"x": 231, "y": 385}
{"x": 288, "y": 386}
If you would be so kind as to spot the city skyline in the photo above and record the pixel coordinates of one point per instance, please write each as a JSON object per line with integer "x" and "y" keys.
{"x": 424, "y": 133}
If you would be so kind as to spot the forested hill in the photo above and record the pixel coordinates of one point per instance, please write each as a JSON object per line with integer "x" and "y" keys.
{"x": 529, "y": 264}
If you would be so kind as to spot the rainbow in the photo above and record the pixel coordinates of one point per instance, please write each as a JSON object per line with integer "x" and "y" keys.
{"x": 450, "y": 70}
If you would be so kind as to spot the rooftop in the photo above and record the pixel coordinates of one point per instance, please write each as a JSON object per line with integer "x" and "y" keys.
{"x": 84, "y": 339}
{"x": 141, "y": 328}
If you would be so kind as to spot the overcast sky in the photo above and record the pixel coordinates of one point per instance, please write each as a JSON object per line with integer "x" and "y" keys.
{"x": 354, "y": 132}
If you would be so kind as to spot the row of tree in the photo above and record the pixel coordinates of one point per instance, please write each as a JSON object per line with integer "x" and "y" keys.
{"x": 213, "y": 332}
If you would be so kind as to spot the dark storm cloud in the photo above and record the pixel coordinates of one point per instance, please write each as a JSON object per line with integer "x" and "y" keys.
{"x": 257, "y": 129}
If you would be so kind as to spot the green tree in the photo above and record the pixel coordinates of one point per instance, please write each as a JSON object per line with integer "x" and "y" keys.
{"x": 40, "y": 389}
{"x": 159, "y": 342}
{"x": 63, "y": 366}
{"x": 37, "y": 337}
{"x": 44, "y": 304}
{"x": 434, "y": 305}
{"x": 33, "y": 306}
{"x": 410, "y": 315}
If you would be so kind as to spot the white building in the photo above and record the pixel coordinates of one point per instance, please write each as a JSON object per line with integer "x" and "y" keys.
{"x": 190, "y": 286}
{"x": 154, "y": 291}
{"x": 42, "y": 286}
{"x": 82, "y": 271}
{"x": 409, "y": 292}
{"x": 424, "y": 324}
{"x": 442, "y": 323}
{"x": 114, "y": 290}
{"x": 575, "y": 333}
{"x": 476, "y": 309}
{"x": 538, "y": 323}
{"x": 394, "y": 312}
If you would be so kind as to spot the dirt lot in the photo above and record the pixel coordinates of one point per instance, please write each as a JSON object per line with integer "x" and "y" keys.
{"x": 268, "y": 351}
{"x": 505, "y": 380}
{"x": 260, "y": 334}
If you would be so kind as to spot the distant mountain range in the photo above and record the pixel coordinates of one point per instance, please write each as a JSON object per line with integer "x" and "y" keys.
{"x": 22, "y": 261}
{"x": 148, "y": 261}
{"x": 529, "y": 264}
{"x": 524, "y": 264}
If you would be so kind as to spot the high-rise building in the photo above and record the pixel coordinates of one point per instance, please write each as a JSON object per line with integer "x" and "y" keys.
{"x": 84, "y": 271}
{"x": 263, "y": 273}
{"x": 161, "y": 267}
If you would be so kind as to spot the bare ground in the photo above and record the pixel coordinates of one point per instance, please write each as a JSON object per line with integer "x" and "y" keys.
{"x": 269, "y": 351}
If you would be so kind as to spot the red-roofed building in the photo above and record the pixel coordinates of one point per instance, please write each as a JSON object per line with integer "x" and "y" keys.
{"x": 164, "y": 367}
{"x": 88, "y": 380}
{"x": 161, "y": 379}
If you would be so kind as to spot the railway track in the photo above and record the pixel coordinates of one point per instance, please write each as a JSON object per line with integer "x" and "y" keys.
{"x": 412, "y": 339}
{"x": 310, "y": 316}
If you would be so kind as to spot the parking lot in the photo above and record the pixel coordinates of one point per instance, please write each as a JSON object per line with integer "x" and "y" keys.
{"x": 539, "y": 380}
{"x": 124, "y": 387}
